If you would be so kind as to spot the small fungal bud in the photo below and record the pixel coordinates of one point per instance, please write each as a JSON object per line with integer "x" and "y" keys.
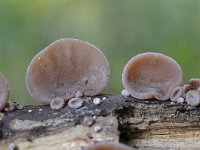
{"x": 97, "y": 101}
{"x": 176, "y": 93}
{"x": 108, "y": 146}
{"x": 195, "y": 82}
{"x": 64, "y": 66}
{"x": 75, "y": 103}
{"x": 125, "y": 93}
{"x": 193, "y": 98}
{"x": 151, "y": 75}
{"x": 57, "y": 103}
{"x": 79, "y": 94}
{"x": 186, "y": 88}
{"x": 180, "y": 100}
{"x": 4, "y": 92}
{"x": 104, "y": 98}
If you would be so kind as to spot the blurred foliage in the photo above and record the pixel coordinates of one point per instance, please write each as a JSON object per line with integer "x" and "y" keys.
{"x": 121, "y": 29}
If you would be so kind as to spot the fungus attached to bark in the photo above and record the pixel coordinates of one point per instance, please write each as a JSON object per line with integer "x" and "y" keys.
{"x": 108, "y": 146}
{"x": 186, "y": 88}
{"x": 125, "y": 93}
{"x": 151, "y": 75}
{"x": 176, "y": 93}
{"x": 195, "y": 83}
{"x": 57, "y": 103}
{"x": 65, "y": 67}
{"x": 75, "y": 103}
{"x": 180, "y": 100}
{"x": 4, "y": 92}
{"x": 193, "y": 98}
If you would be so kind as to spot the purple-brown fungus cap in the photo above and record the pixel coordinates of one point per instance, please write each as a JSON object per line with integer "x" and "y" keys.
{"x": 151, "y": 75}
{"x": 65, "y": 67}
{"x": 4, "y": 92}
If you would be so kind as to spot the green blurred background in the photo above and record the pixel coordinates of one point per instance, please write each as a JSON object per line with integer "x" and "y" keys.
{"x": 120, "y": 28}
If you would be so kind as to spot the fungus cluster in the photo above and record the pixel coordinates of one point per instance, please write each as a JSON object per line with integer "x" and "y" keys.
{"x": 189, "y": 93}
{"x": 108, "y": 146}
{"x": 157, "y": 76}
{"x": 66, "y": 69}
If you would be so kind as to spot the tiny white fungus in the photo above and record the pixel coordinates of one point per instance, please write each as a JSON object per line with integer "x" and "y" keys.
{"x": 125, "y": 93}
{"x": 104, "y": 98}
{"x": 96, "y": 101}
{"x": 180, "y": 100}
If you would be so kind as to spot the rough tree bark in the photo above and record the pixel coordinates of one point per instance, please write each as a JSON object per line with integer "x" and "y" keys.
{"x": 138, "y": 123}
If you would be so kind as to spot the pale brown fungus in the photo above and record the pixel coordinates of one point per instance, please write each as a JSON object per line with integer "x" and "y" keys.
{"x": 193, "y": 98}
{"x": 151, "y": 75}
{"x": 186, "y": 88}
{"x": 65, "y": 67}
{"x": 108, "y": 146}
{"x": 4, "y": 92}
{"x": 176, "y": 93}
{"x": 57, "y": 103}
{"x": 195, "y": 83}
{"x": 75, "y": 103}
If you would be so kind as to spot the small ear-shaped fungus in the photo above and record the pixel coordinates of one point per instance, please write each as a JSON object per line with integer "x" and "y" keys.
{"x": 108, "y": 146}
{"x": 176, "y": 93}
{"x": 195, "y": 83}
{"x": 4, "y": 92}
{"x": 186, "y": 88}
{"x": 193, "y": 98}
{"x": 57, "y": 103}
{"x": 65, "y": 67}
{"x": 151, "y": 75}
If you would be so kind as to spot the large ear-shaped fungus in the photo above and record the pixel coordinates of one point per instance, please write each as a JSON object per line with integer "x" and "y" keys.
{"x": 65, "y": 67}
{"x": 4, "y": 92}
{"x": 151, "y": 75}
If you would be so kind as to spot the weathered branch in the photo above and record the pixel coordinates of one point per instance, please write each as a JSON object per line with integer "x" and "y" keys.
{"x": 138, "y": 123}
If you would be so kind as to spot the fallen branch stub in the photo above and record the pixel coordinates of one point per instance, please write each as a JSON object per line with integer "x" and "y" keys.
{"x": 138, "y": 123}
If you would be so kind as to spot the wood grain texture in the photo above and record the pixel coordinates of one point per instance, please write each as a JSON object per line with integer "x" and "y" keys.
{"x": 138, "y": 123}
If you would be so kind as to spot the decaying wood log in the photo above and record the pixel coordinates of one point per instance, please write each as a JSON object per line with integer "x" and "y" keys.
{"x": 138, "y": 123}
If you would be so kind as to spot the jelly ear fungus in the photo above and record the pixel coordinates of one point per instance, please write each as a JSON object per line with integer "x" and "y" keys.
{"x": 65, "y": 67}
{"x": 151, "y": 75}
